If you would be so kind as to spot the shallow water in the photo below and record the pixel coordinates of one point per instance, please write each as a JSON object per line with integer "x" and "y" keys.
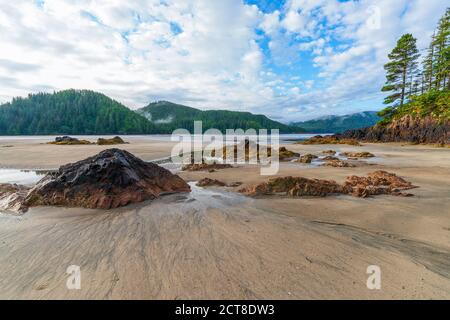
{"x": 284, "y": 138}
{"x": 24, "y": 177}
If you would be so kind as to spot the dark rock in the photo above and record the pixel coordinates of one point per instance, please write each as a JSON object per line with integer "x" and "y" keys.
{"x": 378, "y": 182}
{"x": 406, "y": 129}
{"x": 207, "y": 182}
{"x": 205, "y": 166}
{"x": 115, "y": 140}
{"x": 110, "y": 179}
{"x": 295, "y": 187}
{"x": 66, "y": 140}
{"x": 307, "y": 158}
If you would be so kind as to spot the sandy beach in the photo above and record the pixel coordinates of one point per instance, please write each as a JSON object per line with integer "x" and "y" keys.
{"x": 215, "y": 243}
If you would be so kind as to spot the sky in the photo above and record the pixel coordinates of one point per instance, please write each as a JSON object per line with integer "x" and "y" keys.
{"x": 291, "y": 60}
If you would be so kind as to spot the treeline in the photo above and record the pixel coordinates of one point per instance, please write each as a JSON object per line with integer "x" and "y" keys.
{"x": 84, "y": 112}
{"x": 415, "y": 87}
{"x": 168, "y": 116}
{"x": 70, "y": 112}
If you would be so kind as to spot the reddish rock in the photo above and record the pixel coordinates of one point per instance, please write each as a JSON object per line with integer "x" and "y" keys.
{"x": 211, "y": 167}
{"x": 110, "y": 179}
{"x": 330, "y": 158}
{"x": 364, "y": 154}
{"x": 307, "y": 158}
{"x": 12, "y": 198}
{"x": 406, "y": 129}
{"x": 378, "y": 182}
{"x": 295, "y": 187}
{"x": 207, "y": 182}
{"x": 338, "y": 164}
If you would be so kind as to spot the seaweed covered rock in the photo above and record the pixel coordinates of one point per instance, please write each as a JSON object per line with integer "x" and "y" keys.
{"x": 338, "y": 164}
{"x": 66, "y": 140}
{"x": 307, "y": 158}
{"x": 205, "y": 166}
{"x": 334, "y": 139}
{"x": 110, "y": 179}
{"x": 207, "y": 182}
{"x": 295, "y": 187}
{"x": 378, "y": 182}
{"x": 111, "y": 141}
{"x": 363, "y": 154}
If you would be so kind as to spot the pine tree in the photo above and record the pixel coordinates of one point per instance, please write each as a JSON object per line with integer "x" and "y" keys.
{"x": 428, "y": 65}
{"x": 401, "y": 67}
{"x": 442, "y": 52}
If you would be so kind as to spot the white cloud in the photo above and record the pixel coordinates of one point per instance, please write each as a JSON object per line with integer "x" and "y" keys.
{"x": 205, "y": 53}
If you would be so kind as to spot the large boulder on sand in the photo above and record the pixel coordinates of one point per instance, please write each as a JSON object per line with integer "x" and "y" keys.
{"x": 110, "y": 179}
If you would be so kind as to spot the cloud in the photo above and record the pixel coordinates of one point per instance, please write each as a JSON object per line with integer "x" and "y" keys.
{"x": 295, "y": 61}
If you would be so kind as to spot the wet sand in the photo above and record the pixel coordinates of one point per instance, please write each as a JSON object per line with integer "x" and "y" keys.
{"x": 215, "y": 243}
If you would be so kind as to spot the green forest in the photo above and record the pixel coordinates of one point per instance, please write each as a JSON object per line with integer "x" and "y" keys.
{"x": 70, "y": 112}
{"x": 419, "y": 87}
{"x": 85, "y": 112}
{"x": 168, "y": 116}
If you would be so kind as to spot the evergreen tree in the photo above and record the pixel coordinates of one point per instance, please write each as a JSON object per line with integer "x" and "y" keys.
{"x": 442, "y": 52}
{"x": 428, "y": 65}
{"x": 400, "y": 68}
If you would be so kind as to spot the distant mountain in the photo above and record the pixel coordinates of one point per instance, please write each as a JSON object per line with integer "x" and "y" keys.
{"x": 168, "y": 116}
{"x": 337, "y": 124}
{"x": 70, "y": 112}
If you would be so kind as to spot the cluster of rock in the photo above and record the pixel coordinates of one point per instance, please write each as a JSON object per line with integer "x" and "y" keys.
{"x": 376, "y": 183}
{"x": 406, "y": 129}
{"x": 207, "y": 182}
{"x": 307, "y": 158}
{"x": 363, "y": 154}
{"x": 67, "y": 140}
{"x": 111, "y": 141}
{"x": 333, "y": 139}
{"x": 205, "y": 166}
{"x": 294, "y": 187}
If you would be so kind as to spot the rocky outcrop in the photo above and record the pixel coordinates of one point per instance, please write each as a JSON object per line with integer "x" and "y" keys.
{"x": 364, "y": 154}
{"x": 211, "y": 167}
{"x": 406, "y": 129}
{"x": 294, "y": 187}
{"x": 111, "y": 141}
{"x": 334, "y": 139}
{"x": 207, "y": 182}
{"x": 12, "y": 198}
{"x": 338, "y": 164}
{"x": 329, "y": 158}
{"x": 285, "y": 154}
{"x": 376, "y": 183}
{"x": 66, "y": 140}
{"x": 307, "y": 158}
{"x": 330, "y": 152}
{"x": 110, "y": 179}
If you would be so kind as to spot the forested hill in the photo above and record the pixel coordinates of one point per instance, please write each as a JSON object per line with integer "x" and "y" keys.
{"x": 70, "y": 112}
{"x": 169, "y": 116}
{"x": 87, "y": 112}
{"x": 337, "y": 124}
